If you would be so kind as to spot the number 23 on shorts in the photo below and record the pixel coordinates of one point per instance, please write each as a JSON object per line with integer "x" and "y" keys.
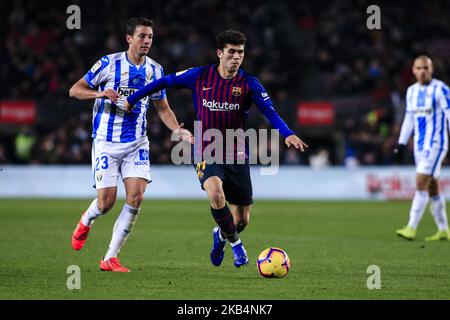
{"x": 102, "y": 162}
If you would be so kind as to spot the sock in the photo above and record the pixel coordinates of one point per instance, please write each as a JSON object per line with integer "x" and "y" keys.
{"x": 224, "y": 220}
{"x": 236, "y": 243}
{"x": 439, "y": 213}
{"x": 418, "y": 206}
{"x": 122, "y": 228}
{"x": 91, "y": 214}
{"x": 239, "y": 228}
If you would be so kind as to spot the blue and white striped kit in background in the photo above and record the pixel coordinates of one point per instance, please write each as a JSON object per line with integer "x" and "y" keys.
{"x": 112, "y": 125}
{"x": 427, "y": 114}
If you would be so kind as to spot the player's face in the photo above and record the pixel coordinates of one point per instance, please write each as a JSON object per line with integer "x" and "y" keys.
{"x": 423, "y": 70}
{"x": 141, "y": 41}
{"x": 231, "y": 57}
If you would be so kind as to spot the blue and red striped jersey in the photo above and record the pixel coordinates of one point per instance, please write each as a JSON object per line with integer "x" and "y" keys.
{"x": 220, "y": 103}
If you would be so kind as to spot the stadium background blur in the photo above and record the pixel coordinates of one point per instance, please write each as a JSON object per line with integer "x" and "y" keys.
{"x": 340, "y": 86}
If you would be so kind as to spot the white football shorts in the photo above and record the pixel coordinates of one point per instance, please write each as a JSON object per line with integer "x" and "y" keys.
{"x": 429, "y": 161}
{"x": 113, "y": 159}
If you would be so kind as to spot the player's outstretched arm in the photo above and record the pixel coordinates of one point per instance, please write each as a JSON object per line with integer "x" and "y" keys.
{"x": 82, "y": 91}
{"x": 295, "y": 141}
{"x": 181, "y": 79}
{"x": 152, "y": 87}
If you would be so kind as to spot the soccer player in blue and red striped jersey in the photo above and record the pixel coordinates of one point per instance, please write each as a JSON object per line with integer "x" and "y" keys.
{"x": 223, "y": 95}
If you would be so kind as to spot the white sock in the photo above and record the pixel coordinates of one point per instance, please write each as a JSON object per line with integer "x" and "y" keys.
{"x": 418, "y": 206}
{"x": 91, "y": 214}
{"x": 439, "y": 213}
{"x": 122, "y": 228}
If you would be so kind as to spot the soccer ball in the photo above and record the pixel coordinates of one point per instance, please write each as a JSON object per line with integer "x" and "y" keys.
{"x": 273, "y": 263}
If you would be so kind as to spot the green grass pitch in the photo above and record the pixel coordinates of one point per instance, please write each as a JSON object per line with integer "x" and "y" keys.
{"x": 330, "y": 245}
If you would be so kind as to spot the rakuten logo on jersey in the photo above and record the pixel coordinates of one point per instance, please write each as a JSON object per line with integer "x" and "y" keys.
{"x": 217, "y": 106}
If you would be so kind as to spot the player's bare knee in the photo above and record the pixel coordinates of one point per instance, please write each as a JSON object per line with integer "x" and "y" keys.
{"x": 423, "y": 183}
{"x": 105, "y": 204}
{"x": 135, "y": 200}
{"x": 217, "y": 198}
{"x": 433, "y": 189}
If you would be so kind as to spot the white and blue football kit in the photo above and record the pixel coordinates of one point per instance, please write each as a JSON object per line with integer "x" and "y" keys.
{"x": 427, "y": 114}
{"x": 120, "y": 145}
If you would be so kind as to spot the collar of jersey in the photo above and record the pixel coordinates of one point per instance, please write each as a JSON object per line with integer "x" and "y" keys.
{"x": 216, "y": 69}
{"x": 137, "y": 66}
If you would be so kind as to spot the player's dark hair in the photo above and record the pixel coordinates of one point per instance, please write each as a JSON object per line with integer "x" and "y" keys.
{"x": 230, "y": 37}
{"x": 138, "y": 21}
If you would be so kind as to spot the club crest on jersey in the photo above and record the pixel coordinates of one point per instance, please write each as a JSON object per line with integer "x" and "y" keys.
{"x": 237, "y": 91}
{"x": 200, "y": 169}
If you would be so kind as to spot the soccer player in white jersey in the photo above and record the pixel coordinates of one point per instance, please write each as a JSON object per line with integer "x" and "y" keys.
{"x": 427, "y": 113}
{"x": 120, "y": 146}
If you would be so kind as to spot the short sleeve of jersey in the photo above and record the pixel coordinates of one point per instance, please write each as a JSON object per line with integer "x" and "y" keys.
{"x": 259, "y": 94}
{"x": 444, "y": 97}
{"x": 158, "y": 74}
{"x": 409, "y": 94}
{"x": 98, "y": 73}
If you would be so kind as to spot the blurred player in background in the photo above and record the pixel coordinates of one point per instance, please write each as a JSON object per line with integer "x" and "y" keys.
{"x": 121, "y": 146}
{"x": 427, "y": 114}
{"x": 222, "y": 95}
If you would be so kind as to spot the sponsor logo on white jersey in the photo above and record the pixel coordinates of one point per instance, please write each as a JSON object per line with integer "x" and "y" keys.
{"x": 422, "y": 111}
{"x": 125, "y": 92}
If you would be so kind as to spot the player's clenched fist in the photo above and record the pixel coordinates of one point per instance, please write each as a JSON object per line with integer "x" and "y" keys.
{"x": 110, "y": 94}
{"x": 296, "y": 142}
{"x": 183, "y": 135}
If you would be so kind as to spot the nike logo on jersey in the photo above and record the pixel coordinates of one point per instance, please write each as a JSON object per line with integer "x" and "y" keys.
{"x": 204, "y": 88}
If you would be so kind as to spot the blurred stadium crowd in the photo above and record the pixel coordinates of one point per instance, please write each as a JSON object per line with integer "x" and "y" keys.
{"x": 309, "y": 50}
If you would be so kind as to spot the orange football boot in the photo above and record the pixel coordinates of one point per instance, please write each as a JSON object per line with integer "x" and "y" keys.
{"x": 80, "y": 234}
{"x": 112, "y": 264}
